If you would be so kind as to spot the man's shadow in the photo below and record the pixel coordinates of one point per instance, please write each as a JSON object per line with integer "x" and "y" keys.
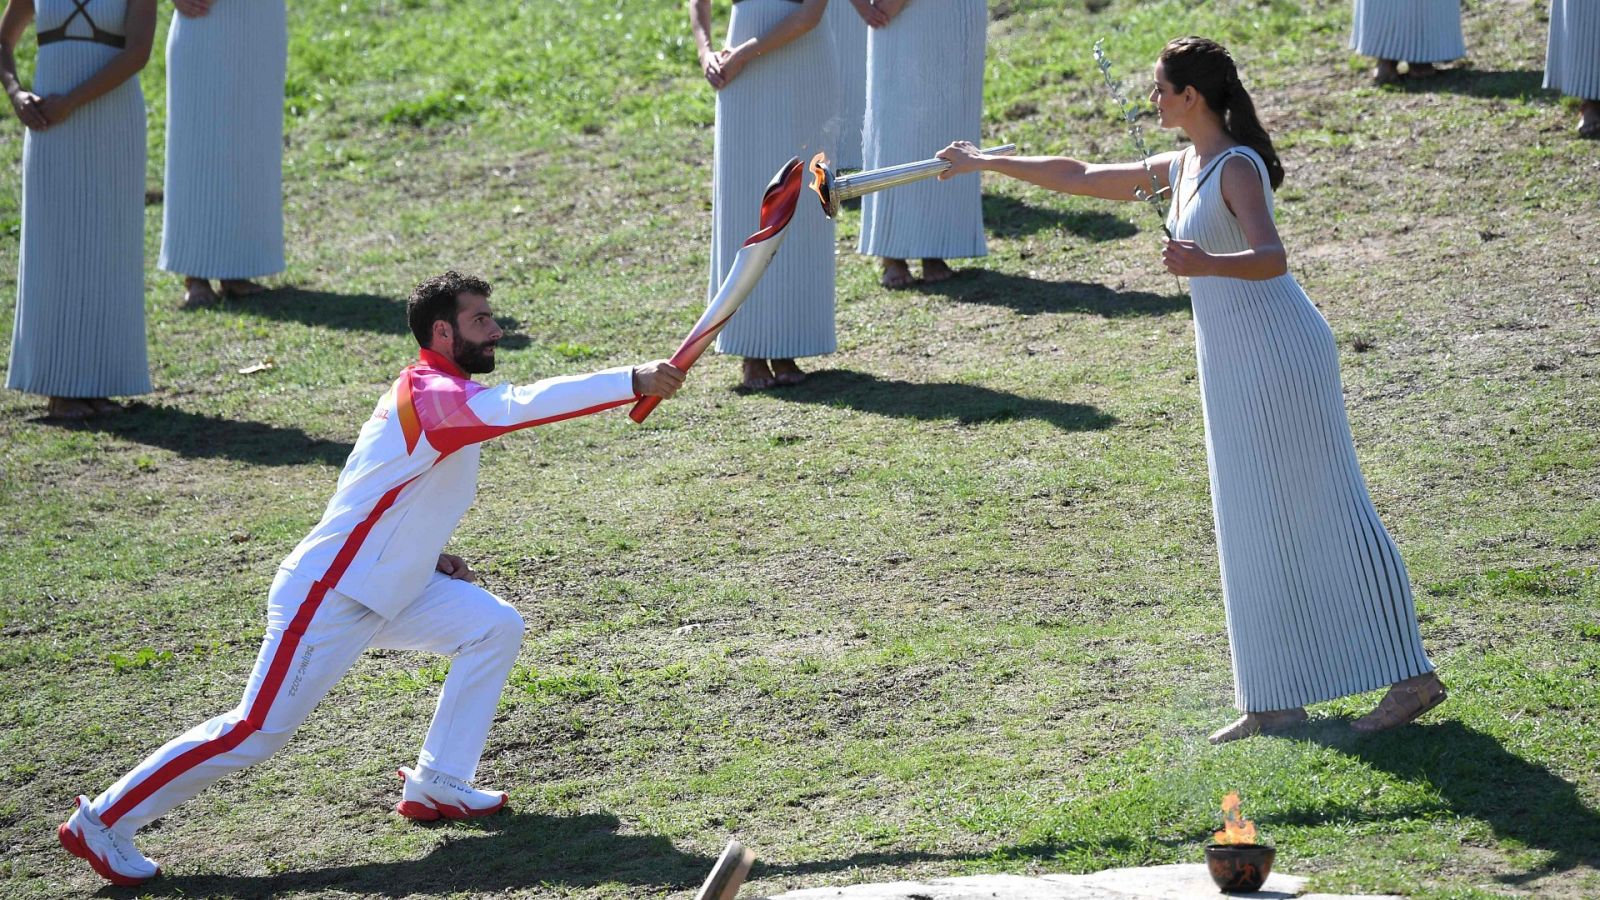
{"x": 513, "y": 851}
{"x": 1032, "y": 296}
{"x": 492, "y": 855}
{"x": 200, "y": 436}
{"x": 966, "y": 404}
{"x": 1476, "y": 777}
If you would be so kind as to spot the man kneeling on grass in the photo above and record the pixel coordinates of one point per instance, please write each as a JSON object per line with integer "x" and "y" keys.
{"x": 372, "y": 574}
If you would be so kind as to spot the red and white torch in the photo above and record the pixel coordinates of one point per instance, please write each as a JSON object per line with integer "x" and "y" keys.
{"x": 777, "y": 208}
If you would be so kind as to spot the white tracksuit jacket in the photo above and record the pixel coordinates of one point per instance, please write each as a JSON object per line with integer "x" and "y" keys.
{"x": 414, "y": 473}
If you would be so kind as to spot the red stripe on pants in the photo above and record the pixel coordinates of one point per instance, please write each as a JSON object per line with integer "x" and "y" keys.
{"x": 277, "y": 670}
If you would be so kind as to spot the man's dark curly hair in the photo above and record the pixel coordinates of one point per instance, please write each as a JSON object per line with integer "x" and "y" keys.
{"x": 434, "y": 300}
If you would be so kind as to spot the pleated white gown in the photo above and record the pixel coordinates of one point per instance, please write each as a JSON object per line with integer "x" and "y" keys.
{"x": 79, "y": 329}
{"x": 850, "y": 47}
{"x": 1572, "y": 58}
{"x": 1318, "y": 601}
{"x": 223, "y": 215}
{"x": 1419, "y": 31}
{"x": 782, "y": 105}
{"x": 924, "y": 90}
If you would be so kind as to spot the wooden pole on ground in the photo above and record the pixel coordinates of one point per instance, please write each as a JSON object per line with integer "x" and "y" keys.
{"x": 728, "y": 874}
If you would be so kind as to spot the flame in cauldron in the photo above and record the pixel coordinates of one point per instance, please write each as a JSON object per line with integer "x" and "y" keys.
{"x": 1236, "y": 829}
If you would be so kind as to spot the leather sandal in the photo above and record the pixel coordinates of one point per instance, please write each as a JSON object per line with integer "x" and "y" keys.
{"x": 1254, "y": 723}
{"x": 1405, "y": 701}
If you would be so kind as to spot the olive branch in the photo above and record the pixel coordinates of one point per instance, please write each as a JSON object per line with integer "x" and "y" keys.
{"x": 1131, "y": 116}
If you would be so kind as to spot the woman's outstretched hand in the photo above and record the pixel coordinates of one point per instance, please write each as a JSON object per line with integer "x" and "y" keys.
{"x": 963, "y": 157}
{"x": 1185, "y": 258}
{"x": 194, "y": 9}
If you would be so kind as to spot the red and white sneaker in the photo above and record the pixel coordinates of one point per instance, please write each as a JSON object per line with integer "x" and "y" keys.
{"x": 113, "y": 856}
{"x": 429, "y": 795}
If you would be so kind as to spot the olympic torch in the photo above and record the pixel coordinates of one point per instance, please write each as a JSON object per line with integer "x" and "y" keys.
{"x": 833, "y": 189}
{"x": 777, "y": 208}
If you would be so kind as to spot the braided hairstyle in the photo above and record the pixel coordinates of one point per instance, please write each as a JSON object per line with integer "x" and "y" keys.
{"x": 1207, "y": 66}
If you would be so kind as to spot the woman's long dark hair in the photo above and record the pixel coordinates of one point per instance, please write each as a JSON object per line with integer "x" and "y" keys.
{"x": 1206, "y": 65}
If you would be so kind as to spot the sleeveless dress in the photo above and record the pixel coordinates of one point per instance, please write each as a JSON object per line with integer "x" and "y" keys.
{"x": 781, "y": 105}
{"x": 79, "y": 329}
{"x": 1572, "y": 57}
{"x": 223, "y": 214}
{"x": 924, "y": 90}
{"x": 1419, "y": 31}
{"x": 1317, "y": 598}
{"x": 850, "y": 47}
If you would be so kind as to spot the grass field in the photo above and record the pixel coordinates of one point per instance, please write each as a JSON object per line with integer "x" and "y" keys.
{"x": 951, "y": 606}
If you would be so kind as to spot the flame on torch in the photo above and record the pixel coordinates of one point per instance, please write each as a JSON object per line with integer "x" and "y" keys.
{"x": 1236, "y": 829}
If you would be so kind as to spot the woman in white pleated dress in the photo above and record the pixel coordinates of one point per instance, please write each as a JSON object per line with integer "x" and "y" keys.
{"x": 1406, "y": 37}
{"x": 777, "y": 98}
{"x": 848, "y": 21}
{"x": 78, "y": 337}
{"x": 222, "y": 217}
{"x": 1572, "y": 58}
{"x": 1317, "y": 598}
{"x": 924, "y": 89}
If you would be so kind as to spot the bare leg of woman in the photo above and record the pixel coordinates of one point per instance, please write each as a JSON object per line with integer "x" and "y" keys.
{"x": 896, "y": 274}
{"x": 785, "y": 372}
{"x": 757, "y": 375}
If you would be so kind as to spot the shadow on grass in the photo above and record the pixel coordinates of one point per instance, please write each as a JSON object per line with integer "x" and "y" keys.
{"x": 1478, "y": 778}
{"x": 1010, "y": 217}
{"x": 1509, "y": 85}
{"x": 209, "y": 437}
{"x": 515, "y": 851}
{"x": 1032, "y": 296}
{"x": 347, "y": 312}
{"x": 966, "y": 404}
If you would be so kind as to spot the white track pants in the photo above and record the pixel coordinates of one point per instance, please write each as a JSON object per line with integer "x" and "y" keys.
{"x": 314, "y": 635}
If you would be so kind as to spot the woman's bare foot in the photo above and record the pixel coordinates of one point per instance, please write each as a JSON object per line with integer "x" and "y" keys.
{"x": 241, "y": 287}
{"x": 1589, "y": 119}
{"x": 69, "y": 409}
{"x": 896, "y": 274}
{"x": 1387, "y": 72}
{"x": 197, "y": 292}
{"x": 1254, "y": 723}
{"x": 936, "y": 270}
{"x": 785, "y": 372}
{"x": 757, "y": 375}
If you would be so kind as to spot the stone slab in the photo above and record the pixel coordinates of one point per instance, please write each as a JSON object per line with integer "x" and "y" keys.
{"x": 1179, "y": 882}
{"x": 1174, "y": 882}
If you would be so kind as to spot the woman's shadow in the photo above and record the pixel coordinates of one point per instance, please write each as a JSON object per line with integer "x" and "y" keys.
{"x": 1476, "y": 777}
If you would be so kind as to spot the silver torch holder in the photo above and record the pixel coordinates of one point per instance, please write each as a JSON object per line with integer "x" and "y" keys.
{"x": 835, "y": 189}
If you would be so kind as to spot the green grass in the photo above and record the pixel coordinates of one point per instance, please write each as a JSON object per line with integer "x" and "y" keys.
{"x": 952, "y": 606}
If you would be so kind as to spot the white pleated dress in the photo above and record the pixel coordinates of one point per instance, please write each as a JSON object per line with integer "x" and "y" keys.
{"x": 1572, "y": 58}
{"x": 924, "y": 90}
{"x": 850, "y": 48}
{"x": 223, "y": 215}
{"x": 79, "y": 329}
{"x": 1419, "y": 31}
{"x": 1318, "y": 601}
{"x": 782, "y": 105}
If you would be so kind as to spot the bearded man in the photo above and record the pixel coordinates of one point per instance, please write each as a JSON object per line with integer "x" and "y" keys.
{"x": 373, "y": 573}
